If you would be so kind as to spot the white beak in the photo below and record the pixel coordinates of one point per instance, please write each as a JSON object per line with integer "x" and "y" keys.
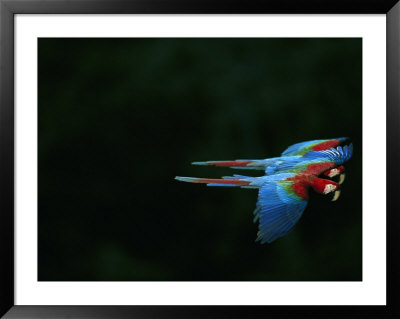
{"x": 336, "y": 196}
{"x": 342, "y": 177}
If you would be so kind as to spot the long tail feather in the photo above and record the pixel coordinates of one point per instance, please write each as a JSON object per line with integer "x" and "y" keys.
{"x": 214, "y": 181}
{"x": 246, "y": 164}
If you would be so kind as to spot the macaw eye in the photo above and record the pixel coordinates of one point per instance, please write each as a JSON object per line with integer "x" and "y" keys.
{"x": 329, "y": 188}
{"x": 332, "y": 173}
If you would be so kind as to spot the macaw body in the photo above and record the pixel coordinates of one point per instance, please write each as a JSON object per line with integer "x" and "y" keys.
{"x": 282, "y": 198}
{"x": 283, "y": 191}
{"x": 293, "y": 158}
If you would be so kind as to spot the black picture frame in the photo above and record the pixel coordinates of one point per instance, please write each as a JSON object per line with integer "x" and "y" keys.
{"x": 8, "y": 10}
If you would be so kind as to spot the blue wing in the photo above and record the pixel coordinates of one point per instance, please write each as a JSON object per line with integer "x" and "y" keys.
{"x": 337, "y": 155}
{"x": 282, "y": 164}
{"x": 304, "y": 147}
{"x": 332, "y": 157}
{"x": 277, "y": 211}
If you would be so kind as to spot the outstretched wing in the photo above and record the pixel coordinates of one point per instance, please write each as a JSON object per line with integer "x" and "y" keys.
{"x": 315, "y": 145}
{"x": 278, "y": 209}
{"x": 316, "y": 163}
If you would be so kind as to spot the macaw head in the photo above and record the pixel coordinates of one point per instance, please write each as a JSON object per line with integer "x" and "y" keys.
{"x": 336, "y": 171}
{"x": 326, "y": 186}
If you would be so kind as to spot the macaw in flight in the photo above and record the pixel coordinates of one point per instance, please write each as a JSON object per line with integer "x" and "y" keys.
{"x": 290, "y": 159}
{"x": 283, "y": 191}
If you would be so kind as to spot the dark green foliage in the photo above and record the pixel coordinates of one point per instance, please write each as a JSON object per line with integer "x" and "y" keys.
{"x": 120, "y": 118}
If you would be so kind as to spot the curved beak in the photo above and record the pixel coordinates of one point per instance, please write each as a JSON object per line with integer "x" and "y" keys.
{"x": 336, "y": 196}
{"x": 342, "y": 178}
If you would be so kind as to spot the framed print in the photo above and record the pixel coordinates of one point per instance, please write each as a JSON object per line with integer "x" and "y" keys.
{"x": 106, "y": 105}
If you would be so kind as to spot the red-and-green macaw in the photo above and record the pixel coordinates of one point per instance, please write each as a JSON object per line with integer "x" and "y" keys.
{"x": 289, "y": 159}
{"x": 283, "y": 195}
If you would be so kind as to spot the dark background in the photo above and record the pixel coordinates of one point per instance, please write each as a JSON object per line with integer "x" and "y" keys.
{"x": 120, "y": 118}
